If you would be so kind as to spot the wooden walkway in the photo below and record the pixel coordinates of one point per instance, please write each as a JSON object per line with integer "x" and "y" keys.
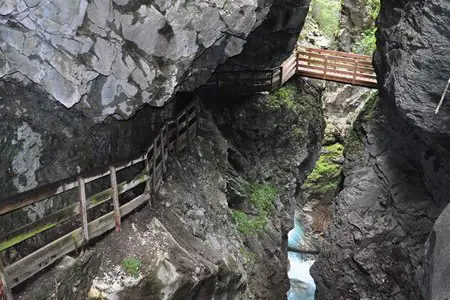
{"x": 96, "y": 214}
{"x": 328, "y": 65}
{"x": 174, "y": 136}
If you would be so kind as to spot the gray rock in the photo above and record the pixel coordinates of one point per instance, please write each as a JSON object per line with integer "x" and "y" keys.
{"x": 86, "y": 62}
{"x": 434, "y": 278}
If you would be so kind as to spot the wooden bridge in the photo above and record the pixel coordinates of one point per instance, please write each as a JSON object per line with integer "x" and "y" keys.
{"x": 349, "y": 68}
{"x": 104, "y": 196}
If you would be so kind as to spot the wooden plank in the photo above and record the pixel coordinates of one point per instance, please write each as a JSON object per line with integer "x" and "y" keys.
{"x": 83, "y": 210}
{"x": 365, "y": 83}
{"x": 5, "y": 292}
{"x": 131, "y": 163}
{"x": 177, "y": 137}
{"x": 23, "y": 269}
{"x": 115, "y": 198}
{"x": 281, "y": 76}
{"x": 34, "y": 228}
{"x": 334, "y": 58}
{"x": 340, "y": 53}
{"x": 30, "y": 197}
{"x": 164, "y": 146}
{"x": 95, "y": 177}
{"x": 154, "y": 164}
{"x": 333, "y": 71}
{"x": 346, "y": 66}
{"x": 187, "y": 131}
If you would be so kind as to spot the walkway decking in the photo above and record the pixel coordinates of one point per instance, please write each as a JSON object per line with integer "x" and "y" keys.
{"x": 349, "y": 68}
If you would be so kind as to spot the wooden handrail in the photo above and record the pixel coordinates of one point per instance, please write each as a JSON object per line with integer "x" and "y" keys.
{"x": 152, "y": 175}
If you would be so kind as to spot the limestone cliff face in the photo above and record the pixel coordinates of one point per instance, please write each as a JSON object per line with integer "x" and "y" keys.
{"x": 356, "y": 17}
{"x": 218, "y": 225}
{"x": 72, "y": 71}
{"x": 396, "y": 170}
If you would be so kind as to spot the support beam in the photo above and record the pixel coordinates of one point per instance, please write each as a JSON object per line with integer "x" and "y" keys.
{"x": 83, "y": 210}
{"x": 115, "y": 198}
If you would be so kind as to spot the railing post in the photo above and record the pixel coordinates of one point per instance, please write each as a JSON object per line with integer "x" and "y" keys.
{"x": 163, "y": 145}
{"x": 83, "y": 211}
{"x": 325, "y": 67}
{"x": 155, "y": 145}
{"x": 281, "y": 76}
{"x": 188, "y": 132}
{"x": 115, "y": 197}
{"x": 148, "y": 187}
{"x": 271, "y": 80}
{"x": 355, "y": 67}
{"x": 297, "y": 61}
{"x": 177, "y": 135}
{"x": 5, "y": 293}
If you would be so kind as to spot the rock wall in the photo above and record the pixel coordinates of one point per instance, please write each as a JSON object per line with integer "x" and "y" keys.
{"x": 356, "y": 17}
{"x": 206, "y": 237}
{"x": 396, "y": 169}
{"x": 72, "y": 72}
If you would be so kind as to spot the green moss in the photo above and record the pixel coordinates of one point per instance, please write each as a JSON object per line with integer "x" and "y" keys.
{"x": 325, "y": 175}
{"x": 374, "y": 8}
{"x": 297, "y": 109}
{"x": 132, "y": 266}
{"x": 284, "y": 98}
{"x": 354, "y": 144}
{"x": 327, "y": 14}
{"x": 20, "y": 238}
{"x": 100, "y": 197}
{"x": 249, "y": 224}
{"x": 262, "y": 197}
{"x": 368, "y": 42}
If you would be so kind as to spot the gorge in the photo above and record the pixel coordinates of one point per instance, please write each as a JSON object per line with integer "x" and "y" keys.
{"x": 88, "y": 84}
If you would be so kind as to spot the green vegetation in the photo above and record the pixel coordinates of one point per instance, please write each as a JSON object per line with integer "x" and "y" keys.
{"x": 327, "y": 14}
{"x": 297, "y": 109}
{"x": 354, "y": 143}
{"x": 325, "y": 176}
{"x": 374, "y": 7}
{"x": 262, "y": 197}
{"x": 284, "y": 97}
{"x": 24, "y": 236}
{"x": 368, "y": 43}
{"x": 132, "y": 266}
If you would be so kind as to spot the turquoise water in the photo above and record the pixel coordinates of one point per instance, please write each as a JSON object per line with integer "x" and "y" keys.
{"x": 302, "y": 284}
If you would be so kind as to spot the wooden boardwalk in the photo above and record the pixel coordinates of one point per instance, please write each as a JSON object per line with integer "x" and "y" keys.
{"x": 174, "y": 136}
{"x": 349, "y": 68}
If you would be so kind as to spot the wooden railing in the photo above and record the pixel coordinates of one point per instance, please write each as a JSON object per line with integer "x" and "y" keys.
{"x": 355, "y": 69}
{"x": 174, "y": 136}
{"x": 329, "y": 65}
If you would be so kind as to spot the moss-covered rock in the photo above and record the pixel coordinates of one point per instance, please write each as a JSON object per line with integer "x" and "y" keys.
{"x": 325, "y": 177}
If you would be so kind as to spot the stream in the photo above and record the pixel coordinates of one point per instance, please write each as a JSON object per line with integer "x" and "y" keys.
{"x": 302, "y": 284}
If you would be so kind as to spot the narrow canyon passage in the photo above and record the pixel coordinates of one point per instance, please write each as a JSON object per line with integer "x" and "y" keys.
{"x": 176, "y": 150}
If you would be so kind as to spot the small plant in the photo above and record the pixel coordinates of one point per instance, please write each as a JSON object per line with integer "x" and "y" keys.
{"x": 132, "y": 266}
{"x": 367, "y": 44}
{"x": 263, "y": 197}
